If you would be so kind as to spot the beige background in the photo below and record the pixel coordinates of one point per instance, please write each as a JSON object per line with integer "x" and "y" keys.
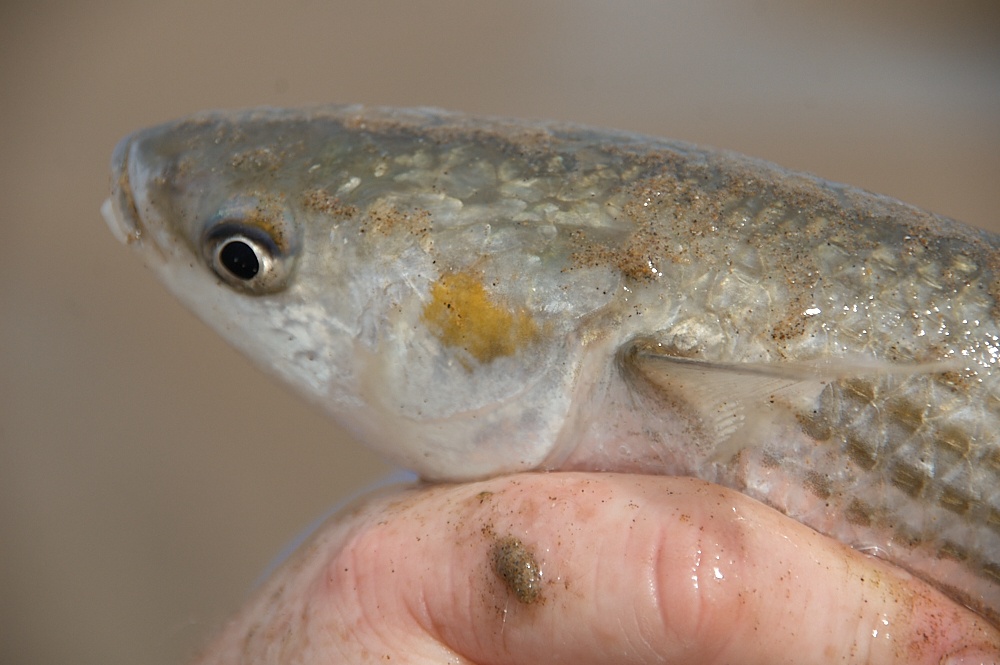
{"x": 148, "y": 473}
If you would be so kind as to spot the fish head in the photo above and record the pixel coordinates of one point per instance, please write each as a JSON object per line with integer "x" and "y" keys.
{"x": 411, "y": 310}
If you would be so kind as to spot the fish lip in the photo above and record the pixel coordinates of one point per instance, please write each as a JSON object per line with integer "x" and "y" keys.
{"x": 119, "y": 209}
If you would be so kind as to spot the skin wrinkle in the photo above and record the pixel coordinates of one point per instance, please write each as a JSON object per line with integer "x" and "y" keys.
{"x": 628, "y": 626}
{"x": 665, "y": 571}
{"x": 344, "y": 576}
{"x": 696, "y": 619}
{"x": 365, "y": 571}
{"x": 651, "y": 587}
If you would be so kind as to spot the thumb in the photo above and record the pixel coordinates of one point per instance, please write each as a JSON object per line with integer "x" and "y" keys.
{"x": 590, "y": 568}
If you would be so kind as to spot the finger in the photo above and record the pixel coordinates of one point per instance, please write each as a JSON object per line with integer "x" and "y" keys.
{"x": 582, "y": 568}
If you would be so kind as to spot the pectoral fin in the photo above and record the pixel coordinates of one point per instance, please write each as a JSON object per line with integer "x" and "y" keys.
{"x": 727, "y": 398}
{"x": 722, "y": 397}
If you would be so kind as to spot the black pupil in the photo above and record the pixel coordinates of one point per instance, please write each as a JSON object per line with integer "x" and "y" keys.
{"x": 240, "y": 259}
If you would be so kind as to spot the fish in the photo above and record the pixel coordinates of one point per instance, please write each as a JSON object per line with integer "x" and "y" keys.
{"x": 475, "y": 296}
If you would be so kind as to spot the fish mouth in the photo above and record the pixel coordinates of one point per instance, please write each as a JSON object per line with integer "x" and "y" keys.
{"x": 119, "y": 209}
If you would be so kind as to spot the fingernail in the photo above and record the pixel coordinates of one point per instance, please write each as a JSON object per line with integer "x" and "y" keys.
{"x": 972, "y": 656}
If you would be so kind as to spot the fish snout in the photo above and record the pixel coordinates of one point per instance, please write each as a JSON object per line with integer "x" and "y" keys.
{"x": 119, "y": 209}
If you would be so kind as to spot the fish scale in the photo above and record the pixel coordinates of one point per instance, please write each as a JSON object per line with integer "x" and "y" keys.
{"x": 477, "y": 296}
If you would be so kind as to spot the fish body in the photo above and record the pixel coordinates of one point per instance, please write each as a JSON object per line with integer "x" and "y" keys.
{"x": 477, "y": 296}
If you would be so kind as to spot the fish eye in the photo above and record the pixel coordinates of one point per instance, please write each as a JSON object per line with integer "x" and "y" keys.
{"x": 238, "y": 257}
{"x": 245, "y": 256}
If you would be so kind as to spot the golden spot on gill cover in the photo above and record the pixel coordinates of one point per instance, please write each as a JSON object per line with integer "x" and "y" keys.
{"x": 462, "y": 314}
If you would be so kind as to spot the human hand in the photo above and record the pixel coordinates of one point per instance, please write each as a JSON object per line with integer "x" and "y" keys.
{"x": 589, "y": 568}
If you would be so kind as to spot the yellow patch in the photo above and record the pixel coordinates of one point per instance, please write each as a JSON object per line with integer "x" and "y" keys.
{"x": 461, "y": 313}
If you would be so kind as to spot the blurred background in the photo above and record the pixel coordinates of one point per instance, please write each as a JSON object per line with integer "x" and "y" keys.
{"x": 148, "y": 474}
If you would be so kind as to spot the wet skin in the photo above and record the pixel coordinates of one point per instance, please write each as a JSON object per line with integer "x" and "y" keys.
{"x": 585, "y": 567}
